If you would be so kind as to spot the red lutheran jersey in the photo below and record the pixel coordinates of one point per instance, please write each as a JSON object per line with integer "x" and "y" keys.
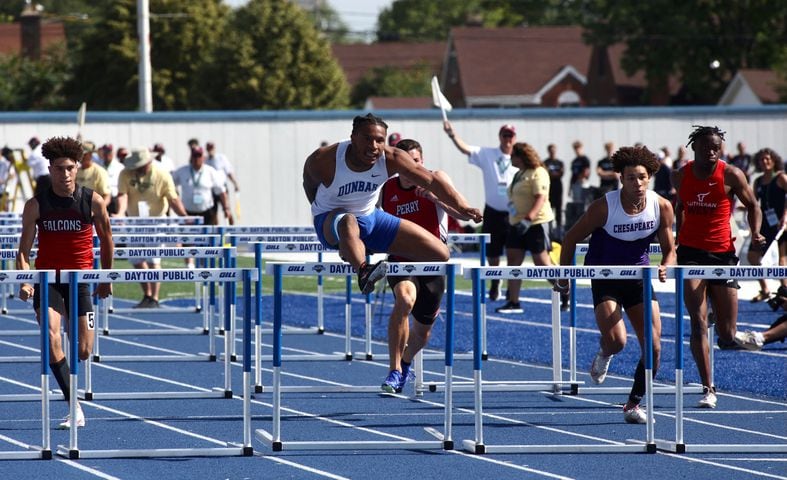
{"x": 407, "y": 203}
{"x": 65, "y": 231}
{"x": 706, "y": 211}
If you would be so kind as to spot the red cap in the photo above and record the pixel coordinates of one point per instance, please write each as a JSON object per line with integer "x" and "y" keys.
{"x": 507, "y": 128}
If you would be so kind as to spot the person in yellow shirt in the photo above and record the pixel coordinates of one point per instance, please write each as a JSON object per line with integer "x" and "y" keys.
{"x": 92, "y": 176}
{"x": 146, "y": 190}
{"x": 529, "y": 213}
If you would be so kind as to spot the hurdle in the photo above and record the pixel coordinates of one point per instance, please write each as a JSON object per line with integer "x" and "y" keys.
{"x": 578, "y": 387}
{"x": 679, "y": 445}
{"x": 207, "y": 313}
{"x": 43, "y": 451}
{"x": 477, "y": 445}
{"x": 226, "y": 276}
{"x": 273, "y": 439}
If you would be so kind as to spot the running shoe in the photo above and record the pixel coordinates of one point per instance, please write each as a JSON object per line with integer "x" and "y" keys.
{"x": 750, "y": 340}
{"x": 599, "y": 367}
{"x": 368, "y": 275}
{"x": 393, "y": 382}
{"x": 510, "y": 307}
{"x": 708, "y": 399}
{"x": 635, "y": 414}
{"x": 408, "y": 373}
{"x": 494, "y": 290}
{"x": 66, "y": 423}
{"x": 147, "y": 302}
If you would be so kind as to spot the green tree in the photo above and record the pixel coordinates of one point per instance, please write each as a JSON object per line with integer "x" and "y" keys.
{"x": 272, "y": 57}
{"x": 416, "y": 20}
{"x": 34, "y": 84}
{"x": 665, "y": 38}
{"x": 183, "y": 35}
{"x": 393, "y": 82}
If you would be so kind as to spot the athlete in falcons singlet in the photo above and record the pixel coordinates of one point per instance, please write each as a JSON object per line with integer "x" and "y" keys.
{"x": 64, "y": 215}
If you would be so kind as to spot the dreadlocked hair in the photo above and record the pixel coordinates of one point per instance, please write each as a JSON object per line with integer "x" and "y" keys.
{"x": 701, "y": 131}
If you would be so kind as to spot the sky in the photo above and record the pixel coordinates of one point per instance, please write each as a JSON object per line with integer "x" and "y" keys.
{"x": 359, "y": 15}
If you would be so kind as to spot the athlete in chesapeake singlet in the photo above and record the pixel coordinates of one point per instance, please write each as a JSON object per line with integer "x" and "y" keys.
{"x": 342, "y": 182}
{"x": 623, "y": 223}
{"x": 64, "y": 215}
{"x": 705, "y": 190}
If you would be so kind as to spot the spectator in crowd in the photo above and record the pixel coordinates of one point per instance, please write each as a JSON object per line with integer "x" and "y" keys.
{"x": 606, "y": 171}
{"x": 497, "y": 171}
{"x": 7, "y": 175}
{"x": 742, "y": 160}
{"x": 556, "y": 169}
{"x": 199, "y": 184}
{"x": 706, "y": 188}
{"x": 416, "y": 295}
{"x": 113, "y": 165}
{"x": 146, "y": 190}
{"x": 683, "y": 158}
{"x": 92, "y": 176}
{"x": 770, "y": 189}
{"x": 394, "y": 138}
{"x": 221, "y": 163}
{"x": 164, "y": 160}
{"x": 662, "y": 181}
{"x": 529, "y": 214}
{"x": 622, "y": 225}
{"x": 580, "y": 175}
{"x": 39, "y": 166}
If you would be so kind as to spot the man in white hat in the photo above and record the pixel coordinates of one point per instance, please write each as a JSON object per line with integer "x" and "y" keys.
{"x": 146, "y": 190}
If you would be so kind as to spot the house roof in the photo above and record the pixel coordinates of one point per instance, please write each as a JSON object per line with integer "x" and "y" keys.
{"x": 763, "y": 84}
{"x": 516, "y": 61}
{"x": 356, "y": 59}
{"x": 751, "y": 87}
{"x": 11, "y": 36}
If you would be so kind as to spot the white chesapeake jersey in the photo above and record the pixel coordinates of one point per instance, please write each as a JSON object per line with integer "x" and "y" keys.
{"x": 351, "y": 192}
{"x": 625, "y": 238}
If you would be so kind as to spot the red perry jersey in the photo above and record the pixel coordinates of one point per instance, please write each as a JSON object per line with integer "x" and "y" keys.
{"x": 406, "y": 203}
{"x": 65, "y": 231}
{"x": 706, "y": 211}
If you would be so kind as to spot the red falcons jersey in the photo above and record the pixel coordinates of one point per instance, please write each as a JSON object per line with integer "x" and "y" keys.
{"x": 410, "y": 204}
{"x": 65, "y": 231}
{"x": 706, "y": 211}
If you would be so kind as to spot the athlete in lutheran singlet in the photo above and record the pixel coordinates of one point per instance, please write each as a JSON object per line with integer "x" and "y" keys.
{"x": 706, "y": 188}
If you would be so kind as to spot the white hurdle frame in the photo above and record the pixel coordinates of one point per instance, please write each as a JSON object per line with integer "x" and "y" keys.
{"x": 579, "y": 388}
{"x": 207, "y": 313}
{"x": 681, "y": 273}
{"x": 226, "y": 276}
{"x": 477, "y": 445}
{"x": 41, "y": 278}
{"x": 273, "y": 439}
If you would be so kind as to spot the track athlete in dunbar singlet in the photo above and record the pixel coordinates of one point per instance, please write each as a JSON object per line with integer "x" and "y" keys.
{"x": 64, "y": 215}
{"x": 623, "y": 223}
{"x": 416, "y": 295}
{"x": 342, "y": 182}
{"x": 706, "y": 189}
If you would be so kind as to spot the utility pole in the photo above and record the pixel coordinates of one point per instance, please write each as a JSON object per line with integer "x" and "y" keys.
{"x": 145, "y": 70}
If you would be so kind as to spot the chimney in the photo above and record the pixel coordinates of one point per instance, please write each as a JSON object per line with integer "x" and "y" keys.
{"x": 30, "y": 23}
